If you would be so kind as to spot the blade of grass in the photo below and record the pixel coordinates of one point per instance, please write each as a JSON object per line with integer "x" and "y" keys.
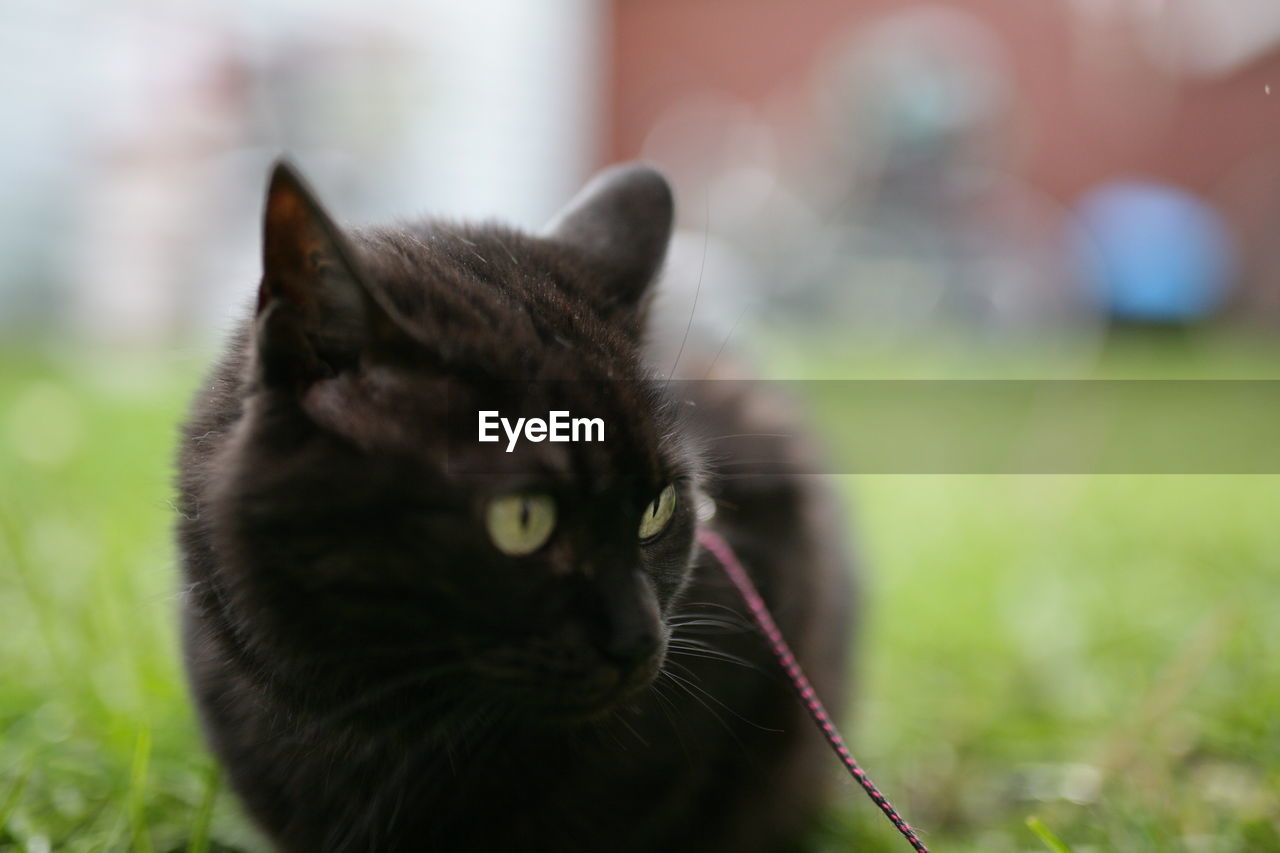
{"x": 141, "y": 841}
{"x": 1169, "y": 690}
{"x": 15, "y": 793}
{"x": 204, "y": 815}
{"x": 41, "y": 605}
{"x": 1053, "y": 842}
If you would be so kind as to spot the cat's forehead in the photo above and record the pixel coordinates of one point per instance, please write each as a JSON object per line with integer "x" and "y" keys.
{"x": 513, "y": 328}
{"x": 594, "y": 434}
{"x": 498, "y": 301}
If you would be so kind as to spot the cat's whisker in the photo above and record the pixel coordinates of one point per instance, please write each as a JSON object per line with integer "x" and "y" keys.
{"x": 679, "y": 640}
{"x": 608, "y": 726}
{"x": 687, "y": 686}
{"x": 715, "y": 655}
{"x": 716, "y": 658}
{"x": 712, "y": 604}
{"x": 706, "y": 240}
{"x": 705, "y": 620}
{"x": 669, "y": 711}
{"x": 632, "y": 729}
{"x": 691, "y": 642}
{"x": 710, "y": 367}
{"x": 724, "y": 626}
{"x": 695, "y": 686}
{"x": 689, "y": 618}
{"x": 733, "y": 617}
{"x": 508, "y": 251}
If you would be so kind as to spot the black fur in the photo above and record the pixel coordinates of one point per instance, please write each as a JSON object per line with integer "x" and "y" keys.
{"x": 372, "y": 672}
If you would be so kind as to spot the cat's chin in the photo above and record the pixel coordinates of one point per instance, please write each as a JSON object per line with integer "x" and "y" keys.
{"x": 577, "y": 713}
{"x": 574, "y": 707}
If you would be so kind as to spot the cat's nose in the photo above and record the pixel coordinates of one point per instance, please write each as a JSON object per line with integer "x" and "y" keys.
{"x": 626, "y": 624}
{"x": 630, "y": 646}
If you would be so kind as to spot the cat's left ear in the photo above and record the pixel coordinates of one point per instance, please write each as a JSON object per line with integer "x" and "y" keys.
{"x": 621, "y": 221}
{"x": 316, "y": 314}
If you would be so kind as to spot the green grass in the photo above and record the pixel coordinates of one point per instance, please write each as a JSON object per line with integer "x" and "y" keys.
{"x": 98, "y": 748}
{"x": 1087, "y": 663}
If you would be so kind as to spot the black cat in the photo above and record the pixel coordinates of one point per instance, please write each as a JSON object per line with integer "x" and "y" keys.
{"x": 402, "y": 639}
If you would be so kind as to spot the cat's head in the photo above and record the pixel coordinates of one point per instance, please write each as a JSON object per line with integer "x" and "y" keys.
{"x": 372, "y": 546}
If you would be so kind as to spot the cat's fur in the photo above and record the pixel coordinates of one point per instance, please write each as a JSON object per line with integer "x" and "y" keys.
{"x": 373, "y": 674}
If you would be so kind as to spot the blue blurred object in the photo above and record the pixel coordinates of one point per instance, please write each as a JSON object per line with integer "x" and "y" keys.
{"x": 1153, "y": 253}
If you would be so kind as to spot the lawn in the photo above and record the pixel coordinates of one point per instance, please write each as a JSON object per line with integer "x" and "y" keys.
{"x": 1094, "y": 659}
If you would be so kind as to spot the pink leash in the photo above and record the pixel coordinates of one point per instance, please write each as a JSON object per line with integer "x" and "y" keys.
{"x": 720, "y": 549}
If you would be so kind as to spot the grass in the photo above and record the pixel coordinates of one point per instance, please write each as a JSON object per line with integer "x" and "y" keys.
{"x": 1084, "y": 663}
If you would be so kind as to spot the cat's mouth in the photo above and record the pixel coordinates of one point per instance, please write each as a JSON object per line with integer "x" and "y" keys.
{"x": 594, "y": 705}
{"x": 584, "y": 708}
{"x": 556, "y": 693}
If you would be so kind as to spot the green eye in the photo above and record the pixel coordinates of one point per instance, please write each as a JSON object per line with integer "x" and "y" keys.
{"x": 657, "y": 514}
{"x": 520, "y": 524}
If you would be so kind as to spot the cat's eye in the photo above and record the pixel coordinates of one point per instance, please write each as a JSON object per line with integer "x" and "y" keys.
{"x": 520, "y": 524}
{"x": 658, "y": 514}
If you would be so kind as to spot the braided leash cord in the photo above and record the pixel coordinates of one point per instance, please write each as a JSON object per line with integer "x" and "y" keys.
{"x": 720, "y": 549}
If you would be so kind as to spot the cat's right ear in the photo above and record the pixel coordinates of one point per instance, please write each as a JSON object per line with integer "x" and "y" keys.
{"x": 621, "y": 222}
{"x": 316, "y": 316}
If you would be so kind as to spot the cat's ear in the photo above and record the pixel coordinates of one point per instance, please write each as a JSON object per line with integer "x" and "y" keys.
{"x": 316, "y": 316}
{"x": 621, "y": 220}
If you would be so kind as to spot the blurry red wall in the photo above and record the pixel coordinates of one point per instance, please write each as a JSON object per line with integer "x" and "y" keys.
{"x": 1083, "y": 123}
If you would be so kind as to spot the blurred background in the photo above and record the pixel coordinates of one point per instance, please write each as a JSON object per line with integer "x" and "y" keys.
{"x": 990, "y": 164}
{"x": 875, "y": 189}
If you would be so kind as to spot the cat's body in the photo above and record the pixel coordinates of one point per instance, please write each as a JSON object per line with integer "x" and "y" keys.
{"x": 374, "y": 674}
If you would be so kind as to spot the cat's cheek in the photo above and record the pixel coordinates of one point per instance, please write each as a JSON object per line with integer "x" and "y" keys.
{"x": 671, "y": 569}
